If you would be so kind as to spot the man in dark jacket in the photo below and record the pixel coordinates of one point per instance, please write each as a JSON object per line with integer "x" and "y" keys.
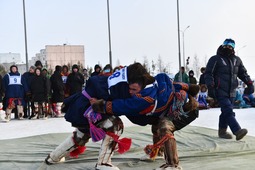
{"x": 57, "y": 87}
{"x": 28, "y": 76}
{"x": 75, "y": 80}
{"x": 221, "y": 75}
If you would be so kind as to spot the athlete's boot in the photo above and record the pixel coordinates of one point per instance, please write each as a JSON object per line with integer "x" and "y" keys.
{"x": 20, "y": 112}
{"x": 155, "y": 138}
{"x": 35, "y": 111}
{"x": 44, "y": 110}
{"x": 8, "y": 113}
{"x": 58, "y": 109}
{"x": 171, "y": 157}
{"x": 105, "y": 154}
{"x": 78, "y": 139}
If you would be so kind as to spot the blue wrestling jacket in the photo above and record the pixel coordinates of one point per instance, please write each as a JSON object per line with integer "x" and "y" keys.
{"x": 153, "y": 100}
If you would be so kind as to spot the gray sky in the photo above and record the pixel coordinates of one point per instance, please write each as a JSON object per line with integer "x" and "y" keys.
{"x": 139, "y": 28}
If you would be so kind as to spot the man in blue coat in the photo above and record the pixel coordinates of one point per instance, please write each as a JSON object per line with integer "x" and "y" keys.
{"x": 221, "y": 75}
{"x": 15, "y": 88}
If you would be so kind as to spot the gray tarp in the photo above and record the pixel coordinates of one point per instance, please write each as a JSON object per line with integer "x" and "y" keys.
{"x": 199, "y": 149}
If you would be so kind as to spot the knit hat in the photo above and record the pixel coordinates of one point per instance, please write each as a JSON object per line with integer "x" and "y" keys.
{"x": 229, "y": 42}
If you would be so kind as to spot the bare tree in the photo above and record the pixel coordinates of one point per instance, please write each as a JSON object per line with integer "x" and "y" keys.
{"x": 196, "y": 65}
{"x": 160, "y": 64}
{"x": 153, "y": 66}
{"x": 2, "y": 70}
{"x": 146, "y": 63}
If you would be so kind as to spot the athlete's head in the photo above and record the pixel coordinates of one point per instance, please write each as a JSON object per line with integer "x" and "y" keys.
{"x": 138, "y": 78}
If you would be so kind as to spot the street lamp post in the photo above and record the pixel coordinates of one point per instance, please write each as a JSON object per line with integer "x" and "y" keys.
{"x": 179, "y": 46}
{"x": 109, "y": 33}
{"x": 184, "y": 65}
{"x": 25, "y": 32}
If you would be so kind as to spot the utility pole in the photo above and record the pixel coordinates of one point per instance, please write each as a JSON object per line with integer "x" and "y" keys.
{"x": 109, "y": 33}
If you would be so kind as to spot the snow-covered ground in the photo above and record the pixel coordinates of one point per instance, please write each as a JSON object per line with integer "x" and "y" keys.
{"x": 24, "y": 128}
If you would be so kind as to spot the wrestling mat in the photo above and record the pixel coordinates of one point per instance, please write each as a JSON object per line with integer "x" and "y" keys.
{"x": 198, "y": 148}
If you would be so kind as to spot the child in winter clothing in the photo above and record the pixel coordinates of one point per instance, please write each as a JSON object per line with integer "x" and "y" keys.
{"x": 248, "y": 98}
{"x": 202, "y": 97}
{"x": 239, "y": 102}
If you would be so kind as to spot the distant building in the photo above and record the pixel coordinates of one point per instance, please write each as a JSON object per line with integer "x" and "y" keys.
{"x": 54, "y": 55}
{"x": 39, "y": 56}
{"x": 10, "y": 58}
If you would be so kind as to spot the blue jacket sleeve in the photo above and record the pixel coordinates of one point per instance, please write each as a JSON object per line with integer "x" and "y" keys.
{"x": 129, "y": 107}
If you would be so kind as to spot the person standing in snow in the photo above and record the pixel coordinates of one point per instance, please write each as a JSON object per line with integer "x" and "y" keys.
{"x": 75, "y": 80}
{"x": 221, "y": 75}
{"x": 57, "y": 87}
{"x": 14, "y": 87}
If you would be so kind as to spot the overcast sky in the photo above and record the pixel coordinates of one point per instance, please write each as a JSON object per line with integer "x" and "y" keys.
{"x": 139, "y": 28}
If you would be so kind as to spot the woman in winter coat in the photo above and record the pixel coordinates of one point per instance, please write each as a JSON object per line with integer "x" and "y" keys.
{"x": 57, "y": 87}
{"x": 39, "y": 92}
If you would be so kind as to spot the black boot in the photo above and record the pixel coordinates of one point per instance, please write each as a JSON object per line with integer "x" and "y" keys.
{"x": 241, "y": 133}
{"x": 224, "y": 134}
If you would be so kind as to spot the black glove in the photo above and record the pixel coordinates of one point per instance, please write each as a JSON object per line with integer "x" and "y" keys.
{"x": 250, "y": 87}
{"x": 211, "y": 92}
{"x": 98, "y": 106}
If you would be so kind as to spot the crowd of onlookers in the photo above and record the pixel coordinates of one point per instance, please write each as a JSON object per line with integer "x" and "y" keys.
{"x": 37, "y": 94}
{"x": 242, "y": 100}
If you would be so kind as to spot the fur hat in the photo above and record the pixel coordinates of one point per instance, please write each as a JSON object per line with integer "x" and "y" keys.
{"x": 193, "y": 89}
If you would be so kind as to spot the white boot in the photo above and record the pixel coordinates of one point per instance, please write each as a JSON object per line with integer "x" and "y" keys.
{"x": 44, "y": 110}
{"x": 105, "y": 154}
{"x": 3, "y": 118}
{"x": 59, "y": 154}
{"x": 62, "y": 150}
{"x": 35, "y": 112}
{"x": 20, "y": 111}
{"x": 58, "y": 109}
{"x": 8, "y": 114}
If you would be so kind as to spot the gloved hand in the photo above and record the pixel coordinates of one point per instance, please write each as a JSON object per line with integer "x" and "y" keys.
{"x": 98, "y": 106}
{"x": 250, "y": 87}
{"x": 211, "y": 92}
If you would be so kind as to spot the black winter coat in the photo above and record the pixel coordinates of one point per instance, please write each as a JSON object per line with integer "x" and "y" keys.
{"x": 222, "y": 73}
{"x": 57, "y": 87}
{"x": 75, "y": 82}
{"x": 39, "y": 89}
